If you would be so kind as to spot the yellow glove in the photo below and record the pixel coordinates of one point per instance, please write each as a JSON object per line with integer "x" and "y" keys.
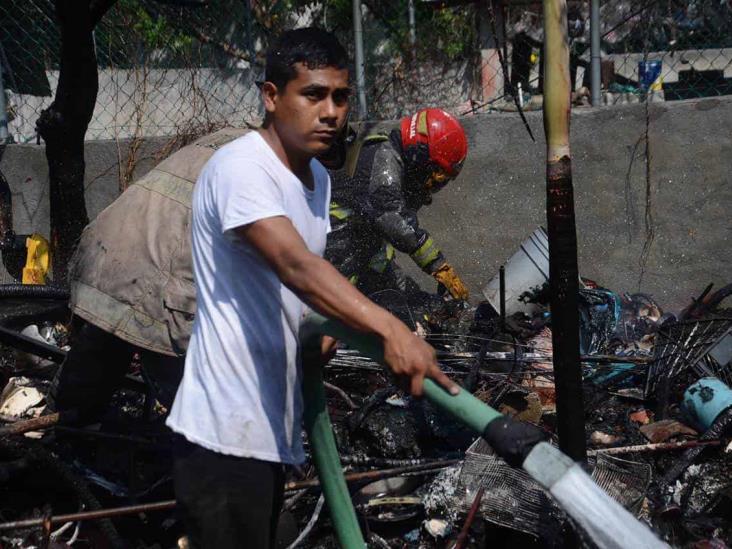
{"x": 38, "y": 260}
{"x": 447, "y": 276}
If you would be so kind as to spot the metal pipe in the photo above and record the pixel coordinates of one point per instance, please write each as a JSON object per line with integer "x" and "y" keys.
{"x": 311, "y": 523}
{"x": 657, "y": 447}
{"x": 596, "y": 59}
{"x": 170, "y": 504}
{"x": 502, "y": 292}
{"x": 377, "y": 475}
{"x": 341, "y": 393}
{"x": 4, "y": 133}
{"x": 388, "y": 462}
{"x": 30, "y": 345}
{"x": 617, "y": 358}
{"x": 360, "y": 74}
{"x": 91, "y": 515}
{"x": 463, "y": 535}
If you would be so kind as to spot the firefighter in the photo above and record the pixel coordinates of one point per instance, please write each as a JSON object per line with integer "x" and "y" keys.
{"x": 375, "y": 199}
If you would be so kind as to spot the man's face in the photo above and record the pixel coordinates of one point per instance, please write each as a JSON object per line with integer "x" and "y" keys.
{"x": 311, "y": 109}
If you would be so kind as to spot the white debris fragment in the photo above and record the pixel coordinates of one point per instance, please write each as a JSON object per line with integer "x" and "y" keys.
{"x": 437, "y": 528}
{"x": 21, "y": 399}
{"x": 604, "y": 439}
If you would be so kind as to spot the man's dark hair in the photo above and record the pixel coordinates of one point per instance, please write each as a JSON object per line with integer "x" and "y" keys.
{"x": 315, "y": 48}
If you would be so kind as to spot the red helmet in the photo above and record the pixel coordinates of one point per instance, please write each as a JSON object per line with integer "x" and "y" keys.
{"x": 441, "y": 133}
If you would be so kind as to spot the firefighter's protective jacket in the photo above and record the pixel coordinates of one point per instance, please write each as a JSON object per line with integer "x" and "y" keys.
{"x": 132, "y": 273}
{"x": 378, "y": 202}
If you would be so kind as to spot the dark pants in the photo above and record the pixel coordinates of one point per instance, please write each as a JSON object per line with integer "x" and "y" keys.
{"x": 226, "y": 501}
{"x": 96, "y": 366}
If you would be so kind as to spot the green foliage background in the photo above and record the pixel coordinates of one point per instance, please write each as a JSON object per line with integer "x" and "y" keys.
{"x": 136, "y": 29}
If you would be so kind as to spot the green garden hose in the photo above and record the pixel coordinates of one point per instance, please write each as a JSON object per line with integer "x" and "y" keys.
{"x": 324, "y": 450}
{"x": 608, "y": 524}
{"x": 465, "y": 407}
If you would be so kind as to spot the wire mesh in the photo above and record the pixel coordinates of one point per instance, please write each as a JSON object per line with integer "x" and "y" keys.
{"x": 691, "y": 42}
{"x": 434, "y": 62}
{"x": 683, "y": 347}
{"x": 515, "y": 500}
{"x": 626, "y": 481}
{"x": 511, "y": 498}
{"x": 185, "y": 66}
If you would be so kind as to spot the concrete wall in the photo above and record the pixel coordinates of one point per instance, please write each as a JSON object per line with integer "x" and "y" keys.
{"x": 25, "y": 168}
{"x": 482, "y": 217}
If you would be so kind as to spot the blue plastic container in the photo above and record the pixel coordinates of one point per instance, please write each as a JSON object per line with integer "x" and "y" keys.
{"x": 705, "y": 400}
{"x": 649, "y": 75}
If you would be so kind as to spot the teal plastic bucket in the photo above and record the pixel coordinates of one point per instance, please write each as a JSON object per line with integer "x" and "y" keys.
{"x": 705, "y": 400}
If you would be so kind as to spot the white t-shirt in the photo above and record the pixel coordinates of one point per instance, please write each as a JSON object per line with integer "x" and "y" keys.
{"x": 241, "y": 392}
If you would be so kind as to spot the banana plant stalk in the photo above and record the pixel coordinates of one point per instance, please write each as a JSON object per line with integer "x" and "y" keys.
{"x": 563, "y": 272}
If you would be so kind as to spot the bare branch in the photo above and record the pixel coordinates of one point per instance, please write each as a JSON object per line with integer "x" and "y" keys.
{"x": 227, "y": 48}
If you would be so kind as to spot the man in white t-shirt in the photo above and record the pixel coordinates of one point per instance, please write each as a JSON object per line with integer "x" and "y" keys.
{"x": 260, "y": 220}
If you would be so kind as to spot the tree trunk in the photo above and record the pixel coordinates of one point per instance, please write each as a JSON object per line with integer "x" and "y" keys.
{"x": 63, "y": 127}
{"x": 563, "y": 272}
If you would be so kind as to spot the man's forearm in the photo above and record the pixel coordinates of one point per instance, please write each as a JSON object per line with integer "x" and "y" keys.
{"x": 322, "y": 287}
{"x": 328, "y": 292}
{"x": 316, "y": 281}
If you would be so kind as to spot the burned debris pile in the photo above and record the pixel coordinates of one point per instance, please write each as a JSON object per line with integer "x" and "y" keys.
{"x": 658, "y": 422}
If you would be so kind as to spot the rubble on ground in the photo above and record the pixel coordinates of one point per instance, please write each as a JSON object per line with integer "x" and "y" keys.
{"x": 650, "y": 446}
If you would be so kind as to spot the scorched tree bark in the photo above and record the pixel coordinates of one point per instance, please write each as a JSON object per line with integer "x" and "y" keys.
{"x": 63, "y": 125}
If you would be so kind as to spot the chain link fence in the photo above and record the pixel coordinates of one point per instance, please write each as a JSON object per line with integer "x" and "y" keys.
{"x": 684, "y": 47}
{"x": 167, "y": 69}
{"x": 163, "y": 70}
{"x": 428, "y": 57}
{"x": 658, "y": 49}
